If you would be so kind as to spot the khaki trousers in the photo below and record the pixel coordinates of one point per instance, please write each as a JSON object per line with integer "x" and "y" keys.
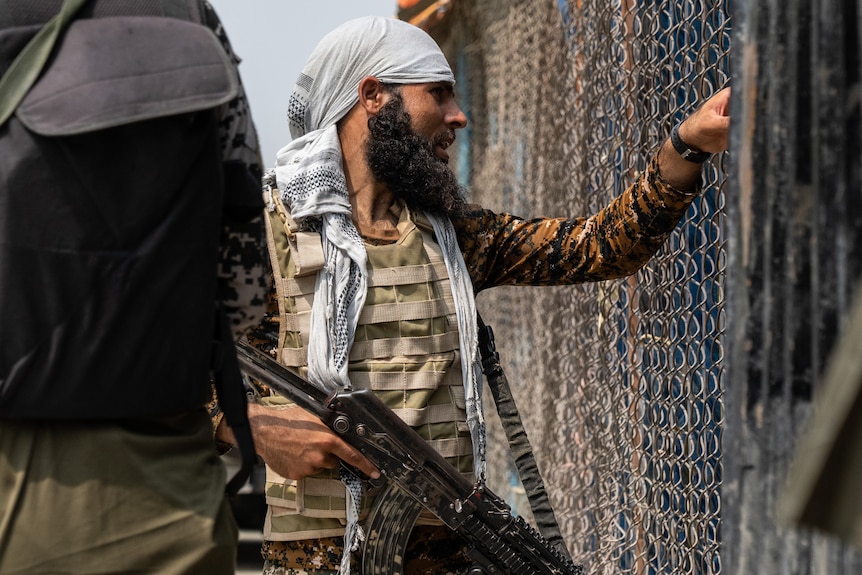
{"x": 118, "y": 497}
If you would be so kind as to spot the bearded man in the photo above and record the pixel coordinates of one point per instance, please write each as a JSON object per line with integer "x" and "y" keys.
{"x": 376, "y": 259}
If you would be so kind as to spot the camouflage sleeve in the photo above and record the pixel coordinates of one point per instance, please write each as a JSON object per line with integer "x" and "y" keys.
{"x": 243, "y": 274}
{"x": 501, "y": 249}
{"x": 243, "y": 269}
{"x": 264, "y": 336}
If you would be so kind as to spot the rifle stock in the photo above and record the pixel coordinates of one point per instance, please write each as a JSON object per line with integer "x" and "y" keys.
{"x": 499, "y": 542}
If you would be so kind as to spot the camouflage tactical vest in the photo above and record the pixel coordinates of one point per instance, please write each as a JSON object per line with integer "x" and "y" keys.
{"x": 406, "y": 349}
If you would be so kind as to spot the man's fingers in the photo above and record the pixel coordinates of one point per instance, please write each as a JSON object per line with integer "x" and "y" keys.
{"x": 354, "y": 458}
{"x": 296, "y": 444}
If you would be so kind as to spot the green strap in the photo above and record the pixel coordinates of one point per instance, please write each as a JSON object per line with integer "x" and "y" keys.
{"x": 22, "y": 74}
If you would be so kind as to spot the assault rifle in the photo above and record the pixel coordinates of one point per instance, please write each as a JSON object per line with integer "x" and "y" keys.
{"x": 417, "y": 478}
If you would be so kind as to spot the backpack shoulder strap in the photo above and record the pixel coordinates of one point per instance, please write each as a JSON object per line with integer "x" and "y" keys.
{"x": 26, "y": 67}
{"x": 232, "y": 398}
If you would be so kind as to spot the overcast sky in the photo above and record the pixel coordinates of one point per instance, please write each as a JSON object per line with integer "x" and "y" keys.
{"x": 274, "y": 38}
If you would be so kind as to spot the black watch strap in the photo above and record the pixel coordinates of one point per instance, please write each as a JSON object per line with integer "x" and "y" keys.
{"x": 684, "y": 150}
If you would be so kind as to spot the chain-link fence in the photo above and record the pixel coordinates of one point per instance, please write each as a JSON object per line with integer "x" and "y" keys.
{"x": 665, "y": 408}
{"x": 619, "y": 382}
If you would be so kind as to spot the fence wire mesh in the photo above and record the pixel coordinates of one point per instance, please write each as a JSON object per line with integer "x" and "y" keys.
{"x": 619, "y": 382}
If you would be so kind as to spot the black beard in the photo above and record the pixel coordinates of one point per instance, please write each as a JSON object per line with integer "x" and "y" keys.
{"x": 406, "y": 163}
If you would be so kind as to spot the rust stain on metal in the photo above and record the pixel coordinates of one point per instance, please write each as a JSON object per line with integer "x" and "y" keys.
{"x": 746, "y": 155}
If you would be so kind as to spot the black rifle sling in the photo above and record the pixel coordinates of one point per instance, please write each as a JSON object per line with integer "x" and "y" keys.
{"x": 232, "y": 398}
{"x": 519, "y": 443}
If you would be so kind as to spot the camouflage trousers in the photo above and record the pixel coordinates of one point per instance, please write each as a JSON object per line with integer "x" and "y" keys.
{"x": 431, "y": 551}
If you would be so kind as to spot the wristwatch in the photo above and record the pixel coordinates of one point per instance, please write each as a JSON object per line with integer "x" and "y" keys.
{"x": 686, "y": 151}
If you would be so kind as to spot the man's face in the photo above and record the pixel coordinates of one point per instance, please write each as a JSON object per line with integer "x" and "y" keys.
{"x": 407, "y": 147}
{"x": 435, "y": 114}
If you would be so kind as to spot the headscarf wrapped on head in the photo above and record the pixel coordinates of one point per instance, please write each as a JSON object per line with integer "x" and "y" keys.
{"x": 311, "y": 181}
{"x": 391, "y": 50}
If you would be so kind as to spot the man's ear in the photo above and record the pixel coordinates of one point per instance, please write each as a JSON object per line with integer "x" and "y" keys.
{"x": 372, "y": 96}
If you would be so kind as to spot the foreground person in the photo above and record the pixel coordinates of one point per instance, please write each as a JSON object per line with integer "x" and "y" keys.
{"x": 129, "y": 205}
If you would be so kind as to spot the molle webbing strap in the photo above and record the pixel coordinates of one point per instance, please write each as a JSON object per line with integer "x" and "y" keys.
{"x": 382, "y": 348}
{"x": 406, "y": 275}
{"x": 414, "y": 417}
{"x": 384, "y": 312}
{"x": 406, "y": 311}
{"x": 395, "y": 381}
